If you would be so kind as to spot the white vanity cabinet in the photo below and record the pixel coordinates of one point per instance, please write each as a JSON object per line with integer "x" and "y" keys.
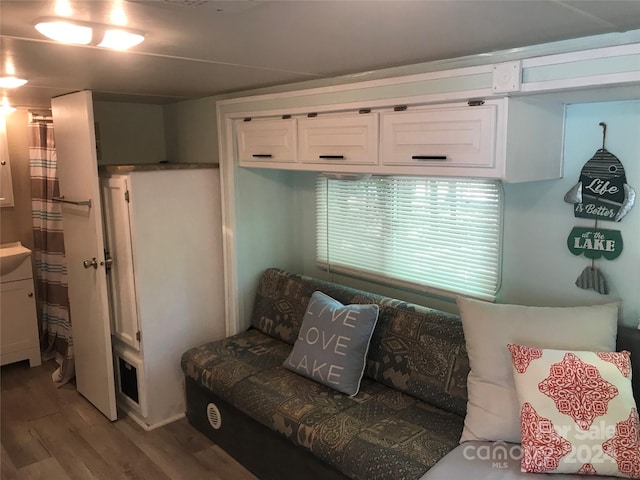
{"x": 265, "y": 141}
{"x": 163, "y": 233}
{"x": 18, "y": 317}
{"x": 350, "y": 139}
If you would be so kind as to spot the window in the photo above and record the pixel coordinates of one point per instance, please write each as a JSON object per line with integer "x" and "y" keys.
{"x": 440, "y": 235}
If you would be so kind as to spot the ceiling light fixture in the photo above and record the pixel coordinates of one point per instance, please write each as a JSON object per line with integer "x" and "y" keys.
{"x": 120, "y": 39}
{"x": 86, "y": 33}
{"x": 11, "y": 82}
{"x": 65, "y": 31}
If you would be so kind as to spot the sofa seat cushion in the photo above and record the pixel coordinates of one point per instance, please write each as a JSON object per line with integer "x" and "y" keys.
{"x": 387, "y": 434}
{"x": 379, "y": 433}
{"x": 350, "y": 432}
{"x": 219, "y": 366}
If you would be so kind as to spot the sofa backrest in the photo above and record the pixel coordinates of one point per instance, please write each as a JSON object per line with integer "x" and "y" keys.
{"x": 414, "y": 349}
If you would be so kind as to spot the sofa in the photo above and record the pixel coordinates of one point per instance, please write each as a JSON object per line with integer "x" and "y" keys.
{"x": 405, "y": 422}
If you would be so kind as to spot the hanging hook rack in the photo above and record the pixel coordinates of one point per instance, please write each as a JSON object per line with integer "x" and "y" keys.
{"x": 604, "y": 133}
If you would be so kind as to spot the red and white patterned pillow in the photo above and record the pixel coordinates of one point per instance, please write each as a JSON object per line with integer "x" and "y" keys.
{"x": 577, "y": 412}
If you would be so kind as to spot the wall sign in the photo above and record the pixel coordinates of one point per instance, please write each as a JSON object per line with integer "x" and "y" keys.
{"x": 595, "y": 243}
{"x": 602, "y": 193}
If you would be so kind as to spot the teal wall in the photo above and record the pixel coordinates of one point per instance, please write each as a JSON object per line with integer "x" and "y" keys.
{"x": 190, "y": 131}
{"x": 538, "y": 268}
{"x": 130, "y": 133}
{"x": 276, "y": 225}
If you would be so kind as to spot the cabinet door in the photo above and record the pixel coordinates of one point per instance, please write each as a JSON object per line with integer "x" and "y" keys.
{"x": 18, "y": 323}
{"x": 122, "y": 287}
{"x": 266, "y": 141}
{"x": 460, "y": 136}
{"x": 336, "y": 139}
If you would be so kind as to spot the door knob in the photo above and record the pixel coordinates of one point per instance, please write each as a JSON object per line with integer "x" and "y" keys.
{"x": 91, "y": 263}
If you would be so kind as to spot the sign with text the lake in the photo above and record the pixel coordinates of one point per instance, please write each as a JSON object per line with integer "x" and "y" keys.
{"x": 595, "y": 242}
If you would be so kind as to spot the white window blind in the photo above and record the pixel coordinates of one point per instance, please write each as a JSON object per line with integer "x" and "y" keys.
{"x": 434, "y": 234}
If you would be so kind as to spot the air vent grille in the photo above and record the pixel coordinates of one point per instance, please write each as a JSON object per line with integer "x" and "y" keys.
{"x": 214, "y": 417}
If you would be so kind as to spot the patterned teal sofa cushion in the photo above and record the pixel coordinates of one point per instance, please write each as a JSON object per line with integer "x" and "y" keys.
{"x": 219, "y": 366}
{"x": 379, "y": 433}
{"x": 414, "y": 349}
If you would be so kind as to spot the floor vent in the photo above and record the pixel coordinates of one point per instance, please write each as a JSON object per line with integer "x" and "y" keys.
{"x": 213, "y": 414}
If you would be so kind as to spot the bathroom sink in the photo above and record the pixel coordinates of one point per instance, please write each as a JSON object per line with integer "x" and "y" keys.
{"x": 11, "y": 256}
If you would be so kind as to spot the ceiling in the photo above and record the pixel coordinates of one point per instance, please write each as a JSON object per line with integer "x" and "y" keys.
{"x": 200, "y": 48}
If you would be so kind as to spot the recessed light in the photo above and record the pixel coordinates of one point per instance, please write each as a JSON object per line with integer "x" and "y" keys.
{"x": 11, "y": 82}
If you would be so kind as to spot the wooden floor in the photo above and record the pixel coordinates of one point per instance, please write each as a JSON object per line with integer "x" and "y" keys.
{"x": 55, "y": 434}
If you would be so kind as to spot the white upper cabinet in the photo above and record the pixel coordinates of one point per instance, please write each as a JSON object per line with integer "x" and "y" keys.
{"x": 339, "y": 139}
{"x": 511, "y": 139}
{"x": 459, "y": 136}
{"x": 266, "y": 140}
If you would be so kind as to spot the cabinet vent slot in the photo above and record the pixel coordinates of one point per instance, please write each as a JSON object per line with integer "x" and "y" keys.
{"x": 286, "y": 117}
{"x": 364, "y": 110}
{"x": 246, "y": 119}
{"x": 475, "y": 103}
{"x": 311, "y": 115}
{"x": 400, "y": 108}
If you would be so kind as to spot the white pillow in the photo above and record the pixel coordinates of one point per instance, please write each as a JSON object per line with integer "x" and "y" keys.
{"x": 492, "y": 405}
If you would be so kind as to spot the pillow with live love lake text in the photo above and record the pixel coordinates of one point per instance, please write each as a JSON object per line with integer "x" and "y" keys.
{"x": 333, "y": 341}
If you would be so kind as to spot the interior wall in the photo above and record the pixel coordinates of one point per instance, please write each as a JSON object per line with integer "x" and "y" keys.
{"x": 129, "y": 133}
{"x": 191, "y": 132}
{"x": 538, "y": 268}
{"x": 16, "y": 221}
{"x": 267, "y": 228}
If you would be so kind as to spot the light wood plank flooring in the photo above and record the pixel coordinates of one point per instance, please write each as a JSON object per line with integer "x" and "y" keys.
{"x": 56, "y": 434}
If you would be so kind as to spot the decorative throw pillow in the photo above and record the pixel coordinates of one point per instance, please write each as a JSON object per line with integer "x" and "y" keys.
{"x": 577, "y": 412}
{"x": 492, "y": 406}
{"x": 333, "y": 342}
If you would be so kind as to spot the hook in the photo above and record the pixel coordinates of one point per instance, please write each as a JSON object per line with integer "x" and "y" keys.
{"x": 604, "y": 132}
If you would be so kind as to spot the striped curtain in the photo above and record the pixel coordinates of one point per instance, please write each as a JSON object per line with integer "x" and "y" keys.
{"x": 51, "y": 271}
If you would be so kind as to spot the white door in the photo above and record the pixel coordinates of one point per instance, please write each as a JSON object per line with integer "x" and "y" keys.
{"x": 84, "y": 247}
{"x": 122, "y": 287}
